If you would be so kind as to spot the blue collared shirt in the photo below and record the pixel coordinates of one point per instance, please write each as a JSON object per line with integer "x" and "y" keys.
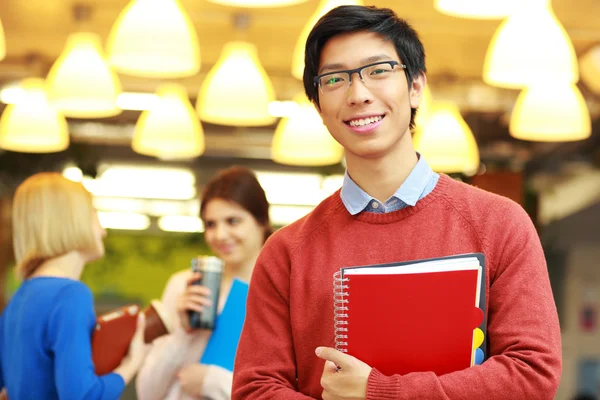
{"x": 419, "y": 183}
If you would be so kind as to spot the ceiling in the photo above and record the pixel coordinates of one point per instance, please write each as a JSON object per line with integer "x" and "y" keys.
{"x": 36, "y": 31}
{"x": 455, "y": 47}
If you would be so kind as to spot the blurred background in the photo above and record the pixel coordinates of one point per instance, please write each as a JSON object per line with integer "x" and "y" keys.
{"x": 144, "y": 100}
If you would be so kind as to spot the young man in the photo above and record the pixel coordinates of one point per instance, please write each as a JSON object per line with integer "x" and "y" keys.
{"x": 365, "y": 73}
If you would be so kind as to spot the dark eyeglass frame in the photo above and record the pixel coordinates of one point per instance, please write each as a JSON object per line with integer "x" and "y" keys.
{"x": 351, "y": 72}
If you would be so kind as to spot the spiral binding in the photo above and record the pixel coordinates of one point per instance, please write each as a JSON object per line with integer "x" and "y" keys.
{"x": 340, "y": 311}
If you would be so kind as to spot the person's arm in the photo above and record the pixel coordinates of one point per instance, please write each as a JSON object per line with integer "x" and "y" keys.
{"x": 202, "y": 381}
{"x": 265, "y": 365}
{"x": 69, "y": 337}
{"x": 2, "y": 391}
{"x": 217, "y": 383}
{"x": 168, "y": 353}
{"x": 523, "y": 331}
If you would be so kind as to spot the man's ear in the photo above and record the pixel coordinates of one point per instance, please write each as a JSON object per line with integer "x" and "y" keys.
{"x": 416, "y": 89}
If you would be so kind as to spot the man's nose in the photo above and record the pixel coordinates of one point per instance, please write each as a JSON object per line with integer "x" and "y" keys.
{"x": 357, "y": 90}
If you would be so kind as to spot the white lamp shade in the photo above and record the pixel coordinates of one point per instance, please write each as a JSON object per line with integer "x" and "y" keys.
{"x": 303, "y": 140}
{"x": 170, "y": 129}
{"x": 530, "y": 46}
{"x": 589, "y": 66}
{"x": 81, "y": 83}
{"x": 154, "y": 39}
{"x": 477, "y": 9}
{"x": 446, "y": 141}
{"x": 324, "y": 7}
{"x": 237, "y": 90}
{"x": 550, "y": 113}
{"x": 2, "y": 43}
{"x": 257, "y": 3}
{"x": 31, "y": 125}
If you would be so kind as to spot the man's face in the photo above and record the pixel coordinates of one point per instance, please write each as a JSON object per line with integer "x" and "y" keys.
{"x": 370, "y": 119}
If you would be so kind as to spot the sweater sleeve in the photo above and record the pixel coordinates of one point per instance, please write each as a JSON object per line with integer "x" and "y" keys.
{"x": 157, "y": 375}
{"x": 71, "y": 325}
{"x": 523, "y": 329}
{"x": 265, "y": 366}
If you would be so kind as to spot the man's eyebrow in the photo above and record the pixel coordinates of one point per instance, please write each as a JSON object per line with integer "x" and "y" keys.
{"x": 376, "y": 58}
{"x": 332, "y": 67}
{"x": 368, "y": 60}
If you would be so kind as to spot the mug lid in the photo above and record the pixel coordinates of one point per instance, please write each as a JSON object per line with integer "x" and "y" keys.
{"x": 207, "y": 263}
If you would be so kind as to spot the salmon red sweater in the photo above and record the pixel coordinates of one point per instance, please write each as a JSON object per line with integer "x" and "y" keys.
{"x": 290, "y": 303}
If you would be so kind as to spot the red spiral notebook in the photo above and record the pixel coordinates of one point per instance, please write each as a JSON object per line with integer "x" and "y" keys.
{"x": 417, "y": 316}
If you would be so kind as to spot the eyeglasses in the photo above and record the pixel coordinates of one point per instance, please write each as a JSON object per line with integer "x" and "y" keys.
{"x": 373, "y": 76}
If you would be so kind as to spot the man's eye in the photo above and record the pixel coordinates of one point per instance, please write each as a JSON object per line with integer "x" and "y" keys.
{"x": 333, "y": 80}
{"x": 379, "y": 71}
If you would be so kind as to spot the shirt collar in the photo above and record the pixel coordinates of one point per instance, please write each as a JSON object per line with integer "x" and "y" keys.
{"x": 355, "y": 199}
{"x": 413, "y": 186}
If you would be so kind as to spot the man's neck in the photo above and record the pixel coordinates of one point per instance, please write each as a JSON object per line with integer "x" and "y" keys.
{"x": 381, "y": 177}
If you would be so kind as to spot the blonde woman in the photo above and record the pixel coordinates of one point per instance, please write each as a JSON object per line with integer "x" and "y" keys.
{"x": 45, "y": 330}
{"x": 235, "y": 212}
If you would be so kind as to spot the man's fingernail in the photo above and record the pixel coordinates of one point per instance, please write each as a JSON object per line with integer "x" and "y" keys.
{"x": 318, "y": 351}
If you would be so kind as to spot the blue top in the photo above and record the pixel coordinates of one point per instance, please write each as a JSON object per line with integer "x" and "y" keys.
{"x": 420, "y": 182}
{"x": 45, "y": 344}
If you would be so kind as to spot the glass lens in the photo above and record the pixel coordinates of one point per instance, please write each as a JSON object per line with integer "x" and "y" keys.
{"x": 377, "y": 72}
{"x": 333, "y": 81}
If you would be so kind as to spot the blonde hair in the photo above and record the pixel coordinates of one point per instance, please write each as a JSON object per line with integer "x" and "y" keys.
{"x": 52, "y": 216}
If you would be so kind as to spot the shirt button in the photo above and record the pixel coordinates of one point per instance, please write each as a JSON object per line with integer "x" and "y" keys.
{"x": 375, "y": 204}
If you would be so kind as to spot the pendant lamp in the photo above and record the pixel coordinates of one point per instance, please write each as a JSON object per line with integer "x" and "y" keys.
{"x": 170, "y": 129}
{"x": 303, "y": 140}
{"x": 446, "y": 141}
{"x": 32, "y": 125}
{"x": 81, "y": 83}
{"x": 154, "y": 39}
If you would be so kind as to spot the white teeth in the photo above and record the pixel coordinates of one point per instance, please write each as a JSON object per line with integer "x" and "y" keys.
{"x": 364, "y": 121}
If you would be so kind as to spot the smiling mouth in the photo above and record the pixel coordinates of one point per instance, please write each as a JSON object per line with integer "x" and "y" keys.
{"x": 359, "y": 122}
{"x": 226, "y": 249}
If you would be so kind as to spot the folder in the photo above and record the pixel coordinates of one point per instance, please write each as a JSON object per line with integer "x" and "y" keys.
{"x": 115, "y": 329}
{"x": 222, "y": 344}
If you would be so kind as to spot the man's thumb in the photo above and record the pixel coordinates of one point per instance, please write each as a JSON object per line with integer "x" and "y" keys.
{"x": 337, "y": 357}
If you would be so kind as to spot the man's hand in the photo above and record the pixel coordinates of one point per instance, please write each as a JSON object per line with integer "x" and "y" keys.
{"x": 349, "y": 382}
{"x": 191, "y": 379}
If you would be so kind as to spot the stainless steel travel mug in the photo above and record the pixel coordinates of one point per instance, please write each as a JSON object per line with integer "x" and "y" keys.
{"x": 211, "y": 269}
